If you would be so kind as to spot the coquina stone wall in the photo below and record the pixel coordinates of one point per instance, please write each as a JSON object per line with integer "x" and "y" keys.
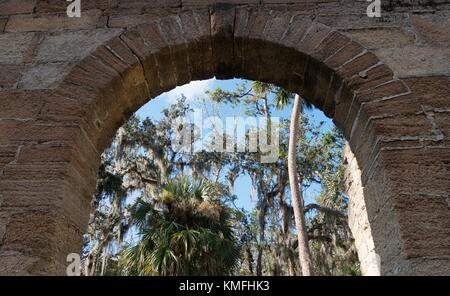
{"x": 67, "y": 84}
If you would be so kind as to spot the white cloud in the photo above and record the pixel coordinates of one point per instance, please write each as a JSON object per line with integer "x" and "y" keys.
{"x": 192, "y": 91}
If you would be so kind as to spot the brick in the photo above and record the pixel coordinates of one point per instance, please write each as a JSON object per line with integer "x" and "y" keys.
{"x": 252, "y": 50}
{"x": 157, "y": 47}
{"x": 277, "y": 26}
{"x": 222, "y": 28}
{"x": 333, "y": 93}
{"x": 18, "y": 132}
{"x": 173, "y": 34}
{"x": 431, "y": 91}
{"x": 21, "y": 104}
{"x": 384, "y": 91}
{"x": 212, "y": 2}
{"x": 13, "y": 47}
{"x": 382, "y": 37}
{"x": 7, "y": 155}
{"x": 358, "y": 65}
{"x": 432, "y": 30}
{"x": 388, "y": 133}
{"x": 363, "y": 108}
{"x": 92, "y": 74}
{"x": 46, "y": 153}
{"x": 434, "y": 267}
{"x": 35, "y": 232}
{"x": 60, "y": 47}
{"x": 315, "y": 35}
{"x": 414, "y": 170}
{"x": 9, "y": 76}
{"x": 28, "y": 22}
{"x": 296, "y": 31}
{"x": 57, "y": 6}
{"x": 410, "y": 61}
{"x": 10, "y": 7}
{"x": 200, "y": 52}
{"x": 149, "y": 4}
{"x": 349, "y": 51}
{"x": 343, "y": 103}
{"x": 442, "y": 121}
{"x": 330, "y": 45}
{"x": 133, "y": 87}
{"x": 317, "y": 82}
{"x": 36, "y": 172}
{"x": 44, "y": 75}
{"x": 374, "y": 77}
{"x": 3, "y": 22}
{"x": 425, "y": 221}
{"x": 129, "y": 21}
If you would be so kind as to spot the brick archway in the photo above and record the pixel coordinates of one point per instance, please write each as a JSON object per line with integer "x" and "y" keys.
{"x": 52, "y": 139}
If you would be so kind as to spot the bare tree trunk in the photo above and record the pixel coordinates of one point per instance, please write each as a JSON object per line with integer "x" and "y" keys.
{"x": 291, "y": 263}
{"x": 285, "y": 217}
{"x": 277, "y": 245}
{"x": 262, "y": 230}
{"x": 297, "y": 200}
{"x": 250, "y": 259}
{"x": 105, "y": 260}
{"x": 259, "y": 261}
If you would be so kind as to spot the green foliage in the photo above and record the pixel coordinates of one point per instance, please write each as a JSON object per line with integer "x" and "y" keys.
{"x": 186, "y": 230}
{"x": 190, "y": 225}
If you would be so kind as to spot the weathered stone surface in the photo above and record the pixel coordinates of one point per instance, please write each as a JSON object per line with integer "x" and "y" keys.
{"x": 7, "y": 155}
{"x": 416, "y": 61}
{"x": 66, "y": 85}
{"x": 359, "y": 20}
{"x": 426, "y": 220}
{"x": 433, "y": 30}
{"x": 72, "y": 45}
{"x": 3, "y": 24}
{"x": 127, "y": 21}
{"x": 11, "y": 7}
{"x": 9, "y": 76}
{"x": 28, "y": 22}
{"x": 57, "y": 6}
{"x": 383, "y": 37}
{"x": 21, "y": 104}
{"x": 358, "y": 219}
{"x": 43, "y": 76}
{"x": 13, "y": 47}
{"x": 431, "y": 91}
{"x": 149, "y": 4}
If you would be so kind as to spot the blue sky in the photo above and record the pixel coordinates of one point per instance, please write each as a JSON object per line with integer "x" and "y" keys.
{"x": 195, "y": 91}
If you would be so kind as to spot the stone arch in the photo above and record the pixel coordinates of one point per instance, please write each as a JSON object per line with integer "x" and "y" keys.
{"x": 377, "y": 112}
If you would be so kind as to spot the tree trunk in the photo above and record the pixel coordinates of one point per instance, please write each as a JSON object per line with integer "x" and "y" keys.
{"x": 297, "y": 200}
{"x": 262, "y": 230}
{"x": 104, "y": 261}
{"x": 291, "y": 262}
{"x": 285, "y": 217}
{"x": 250, "y": 259}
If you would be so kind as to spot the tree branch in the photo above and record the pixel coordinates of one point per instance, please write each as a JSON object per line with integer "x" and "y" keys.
{"x": 323, "y": 209}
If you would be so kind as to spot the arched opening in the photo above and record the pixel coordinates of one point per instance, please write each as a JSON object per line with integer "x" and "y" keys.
{"x": 253, "y": 182}
{"x": 331, "y": 71}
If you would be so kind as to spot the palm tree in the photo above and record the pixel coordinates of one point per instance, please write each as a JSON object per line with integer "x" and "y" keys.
{"x": 297, "y": 200}
{"x": 282, "y": 99}
{"x": 186, "y": 230}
